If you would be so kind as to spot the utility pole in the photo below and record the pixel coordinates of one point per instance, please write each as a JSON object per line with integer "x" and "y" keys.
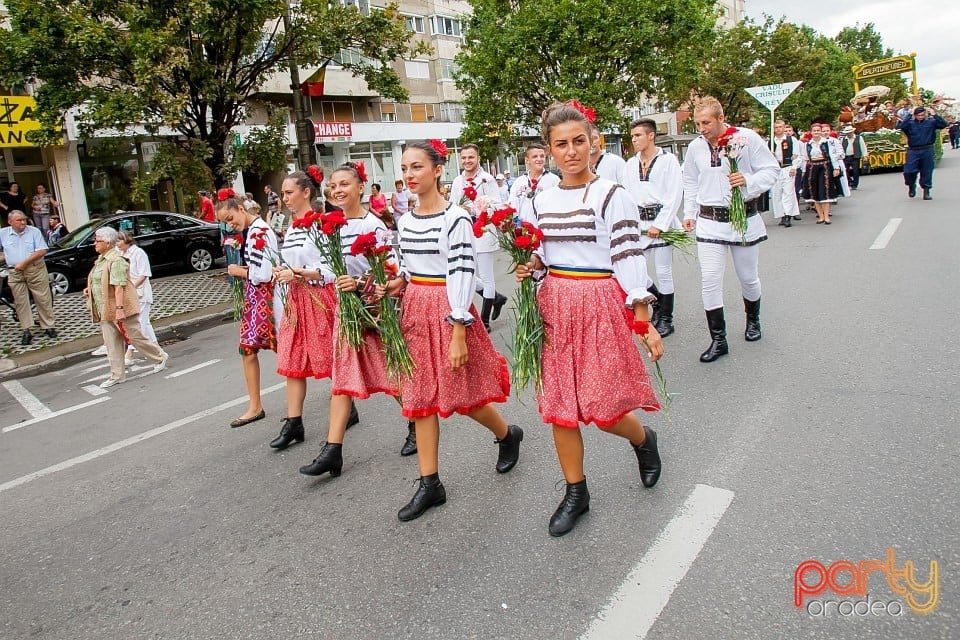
{"x": 306, "y": 152}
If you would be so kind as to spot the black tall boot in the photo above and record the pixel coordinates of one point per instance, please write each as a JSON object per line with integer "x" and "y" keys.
{"x": 498, "y": 301}
{"x": 752, "y": 332}
{"x": 354, "y": 415}
{"x": 410, "y": 444}
{"x": 786, "y": 221}
{"x": 330, "y": 459}
{"x": 926, "y": 194}
{"x": 648, "y": 458}
{"x": 718, "y": 335}
{"x": 576, "y": 502}
{"x": 509, "y": 449}
{"x": 485, "y": 313}
{"x": 664, "y": 322}
{"x": 290, "y": 432}
{"x": 655, "y": 309}
{"x": 430, "y": 493}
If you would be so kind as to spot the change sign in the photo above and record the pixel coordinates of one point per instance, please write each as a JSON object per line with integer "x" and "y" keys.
{"x": 772, "y": 95}
{"x": 16, "y": 119}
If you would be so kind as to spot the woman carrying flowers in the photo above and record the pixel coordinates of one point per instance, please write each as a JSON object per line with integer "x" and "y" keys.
{"x": 822, "y": 160}
{"x": 594, "y": 296}
{"x": 456, "y": 367}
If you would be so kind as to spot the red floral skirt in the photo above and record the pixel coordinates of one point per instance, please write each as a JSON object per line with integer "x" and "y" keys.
{"x": 363, "y": 371}
{"x": 305, "y": 341}
{"x": 592, "y": 367}
{"x": 257, "y": 329}
{"x": 434, "y": 386}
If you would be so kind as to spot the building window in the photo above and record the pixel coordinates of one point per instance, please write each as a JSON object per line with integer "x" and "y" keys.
{"x": 388, "y": 112}
{"x": 443, "y": 26}
{"x": 337, "y": 111}
{"x": 451, "y": 112}
{"x": 422, "y": 112}
{"x": 417, "y": 69}
{"x": 363, "y": 6}
{"x": 347, "y": 56}
{"x": 414, "y": 23}
{"x": 446, "y": 69}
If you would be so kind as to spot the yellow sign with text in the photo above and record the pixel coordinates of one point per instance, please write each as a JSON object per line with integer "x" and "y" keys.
{"x": 16, "y": 119}
{"x": 890, "y": 66}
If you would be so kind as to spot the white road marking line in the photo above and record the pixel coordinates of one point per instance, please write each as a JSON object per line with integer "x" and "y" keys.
{"x": 94, "y": 368}
{"x": 886, "y": 234}
{"x": 637, "y": 604}
{"x": 183, "y": 372}
{"x": 94, "y": 390}
{"x": 116, "y": 446}
{"x": 29, "y": 401}
{"x": 27, "y": 423}
{"x": 130, "y": 369}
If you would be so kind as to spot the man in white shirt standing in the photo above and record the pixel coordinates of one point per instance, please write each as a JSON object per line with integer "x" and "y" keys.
{"x": 708, "y": 186}
{"x": 784, "y": 196}
{"x": 654, "y": 180}
{"x": 606, "y": 165}
{"x": 23, "y": 250}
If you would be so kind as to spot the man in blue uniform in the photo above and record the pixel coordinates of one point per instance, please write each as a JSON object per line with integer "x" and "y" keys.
{"x": 921, "y": 131}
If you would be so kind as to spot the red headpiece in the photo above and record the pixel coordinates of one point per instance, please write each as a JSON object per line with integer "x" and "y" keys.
{"x": 439, "y": 146}
{"x": 316, "y": 174}
{"x": 361, "y": 170}
{"x": 587, "y": 112}
{"x": 224, "y": 194}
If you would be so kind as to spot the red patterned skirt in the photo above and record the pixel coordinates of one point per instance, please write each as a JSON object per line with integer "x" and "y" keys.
{"x": 592, "y": 368}
{"x": 361, "y": 372}
{"x": 257, "y": 329}
{"x": 434, "y": 387}
{"x": 305, "y": 341}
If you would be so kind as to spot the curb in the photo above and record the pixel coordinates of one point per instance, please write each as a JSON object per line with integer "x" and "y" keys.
{"x": 172, "y": 328}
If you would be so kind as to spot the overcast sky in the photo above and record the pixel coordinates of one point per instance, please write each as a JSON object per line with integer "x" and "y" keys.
{"x": 914, "y": 26}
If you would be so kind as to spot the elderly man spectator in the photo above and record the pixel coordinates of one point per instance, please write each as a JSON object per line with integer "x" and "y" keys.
{"x": 23, "y": 251}
{"x": 112, "y": 298}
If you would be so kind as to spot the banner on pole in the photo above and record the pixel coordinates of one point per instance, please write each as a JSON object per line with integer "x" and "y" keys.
{"x": 772, "y": 95}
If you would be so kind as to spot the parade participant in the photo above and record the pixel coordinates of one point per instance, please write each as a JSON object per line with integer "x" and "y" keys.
{"x": 954, "y": 131}
{"x": 305, "y": 337}
{"x": 456, "y": 367}
{"x": 654, "y": 180}
{"x": 483, "y": 186}
{"x": 593, "y": 298}
{"x": 854, "y": 151}
{"x": 921, "y": 131}
{"x": 604, "y": 164}
{"x": 533, "y": 182}
{"x": 23, "y": 251}
{"x": 798, "y": 178}
{"x": 707, "y": 188}
{"x": 821, "y": 176}
{"x": 361, "y": 372}
{"x": 257, "y": 321}
{"x": 787, "y": 151}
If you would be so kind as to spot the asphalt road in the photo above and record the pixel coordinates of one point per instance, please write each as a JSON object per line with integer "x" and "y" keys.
{"x": 832, "y": 439}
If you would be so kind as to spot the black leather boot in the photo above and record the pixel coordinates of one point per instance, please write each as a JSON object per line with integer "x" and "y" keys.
{"x": 926, "y": 194}
{"x": 752, "y": 332}
{"x": 718, "y": 335}
{"x": 648, "y": 458}
{"x": 655, "y": 309}
{"x": 330, "y": 459}
{"x": 485, "y": 313}
{"x": 787, "y": 221}
{"x": 410, "y": 444}
{"x": 354, "y": 415}
{"x": 290, "y": 432}
{"x": 498, "y": 301}
{"x": 576, "y": 502}
{"x": 783, "y": 222}
{"x": 664, "y": 322}
{"x": 911, "y": 190}
{"x": 509, "y": 449}
{"x": 430, "y": 493}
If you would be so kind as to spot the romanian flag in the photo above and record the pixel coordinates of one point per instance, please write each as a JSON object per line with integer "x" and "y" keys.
{"x": 313, "y": 86}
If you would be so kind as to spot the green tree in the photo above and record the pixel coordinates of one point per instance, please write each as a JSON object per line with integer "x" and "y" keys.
{"x": 827, "y": 87}
{"x": 521, "y": 55}
{"x": 867, "y": 43}
{"x": 186, "y": 67}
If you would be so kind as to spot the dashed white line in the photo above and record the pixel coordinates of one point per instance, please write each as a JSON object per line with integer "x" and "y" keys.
{"x": 87, "y": 370}
{"x": 116, "y": 446}
{"x": 886, "y": 234}
{"x": 183, "y": 372}
{"x": 53, "y": 414}
{"x": 29, "y": 401}
{"x": 637, "y": 604}
{"x": 94, "y": 390}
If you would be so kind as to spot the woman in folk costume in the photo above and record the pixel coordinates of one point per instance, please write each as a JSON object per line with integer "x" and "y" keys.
{"x": 823, "y": 162}
{"x": 357, "y": 373}
{"x": 456, "y": 367}
{"x": 593, "y": 298}
{"x": 257, "y": 320}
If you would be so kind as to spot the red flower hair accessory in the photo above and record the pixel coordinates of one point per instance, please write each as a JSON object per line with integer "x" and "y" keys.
{"x": 587, "y": 112}
{"x": 361, "y": 170}
{"x": 439, "y": 146}
{"x": 224, "y": 194}
{"x": 316, "y": 174}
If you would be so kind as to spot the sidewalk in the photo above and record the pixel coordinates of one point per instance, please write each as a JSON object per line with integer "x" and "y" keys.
{"x": 177, "y": 300}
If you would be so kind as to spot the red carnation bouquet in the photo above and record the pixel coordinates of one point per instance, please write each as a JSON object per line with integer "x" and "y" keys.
{"x": 731, "y": 145}
{"x": 324, "y": 230}
{"x": 377, "y": 249}
{"x": 520, "y": 240}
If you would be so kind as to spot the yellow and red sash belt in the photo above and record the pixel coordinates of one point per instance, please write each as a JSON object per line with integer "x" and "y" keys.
{"x": 575, "y": 273}
{"x": 430, "y": 281}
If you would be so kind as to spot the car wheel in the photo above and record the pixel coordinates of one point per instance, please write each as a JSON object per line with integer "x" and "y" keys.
{"x": 59, "y": 282}
{"x": 200, "y": 259}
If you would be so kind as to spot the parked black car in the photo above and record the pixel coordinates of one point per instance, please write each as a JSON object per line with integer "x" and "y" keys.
{"x": 169, "y": 239}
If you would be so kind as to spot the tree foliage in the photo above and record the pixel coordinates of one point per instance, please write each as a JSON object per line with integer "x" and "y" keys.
{"x": 186, "y": 67}
{"x": 521, "y": 55}
{"x": 867, "y": 43}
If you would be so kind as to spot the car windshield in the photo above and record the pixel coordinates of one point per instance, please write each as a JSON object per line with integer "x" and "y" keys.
{"x": 73, "y": 238}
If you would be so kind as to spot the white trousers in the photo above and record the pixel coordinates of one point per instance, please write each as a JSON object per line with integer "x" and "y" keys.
{"x": 713, "y": 260}
{"x": 486, "y": 283}
{"x": 784, "y": 196}
{"x": 145, "y": 327}
{"x": 663, "y": 267}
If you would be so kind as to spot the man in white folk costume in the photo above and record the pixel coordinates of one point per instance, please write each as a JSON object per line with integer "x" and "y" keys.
{"x": 535, "y": 180}
{"x": 606, "y": 165}
{"x": 654, "y": 180}
{"x": 708, "y": 185}
{"x": 786, "y": 148}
